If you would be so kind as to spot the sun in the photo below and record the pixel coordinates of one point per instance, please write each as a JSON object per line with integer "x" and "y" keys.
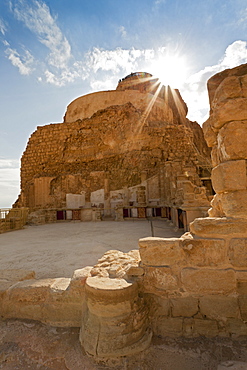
{"x": 171, "y": 70}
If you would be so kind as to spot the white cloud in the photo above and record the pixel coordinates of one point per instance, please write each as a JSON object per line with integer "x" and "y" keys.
{"x": 9, "y": 163}
{"x": 117, "y": 60}
{"x": 3, "y": 27}
{"x": 23, "y": 62}
{"x": 194, "y": 91}
{"x": 242, "y": 18}
{"x": 37, "y": 18}
{"x": 9, "y": 181}
{"x": 122, "y": 32}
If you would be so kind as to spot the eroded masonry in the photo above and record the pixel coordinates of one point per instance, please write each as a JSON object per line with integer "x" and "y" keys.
{"x": 191, "y": 286}
{"x": 118, "y": 154}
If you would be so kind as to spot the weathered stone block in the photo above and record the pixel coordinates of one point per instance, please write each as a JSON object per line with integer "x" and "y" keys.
{"x": 242, "y": 286}
{"x": 109, "y": 297}
{"x": 229, "y": 110}
{"x": 212, "y": 227}
{"x": 243, "y": 306}
{"x": 30, "y": 291}
{"x": 208, "y": 280}
{"x": 159, "y": 279}
{"x": 207, "y": 328}
{"x": 229, "y": 176}
{"x": 238, "y": 252}
{"x": 234, "y": 204}
{"x": 209, "y": 135}
{"x": 219, "y": 307}
{"x": 205, "y": 252}
{"x": 188, "y": 327}
{"x": 159, "y": 306}
{"x": 186, "y": 306}
{"x": 171, "y": 327}
{"x": 236, "y": 326}
{"x": 232, "y": 140}
{"x": 229, "y": 88}
{"x": 161, "y": 251}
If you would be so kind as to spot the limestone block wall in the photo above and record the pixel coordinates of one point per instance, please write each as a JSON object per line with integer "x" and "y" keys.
{"x": 195, "y": 286}
{"x": 226, "y": 132}
{"x": 107, "y": 152}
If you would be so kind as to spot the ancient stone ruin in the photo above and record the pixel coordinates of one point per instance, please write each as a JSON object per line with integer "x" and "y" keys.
{"x": 126, "y": 153}
{"x": 191, "y": 286}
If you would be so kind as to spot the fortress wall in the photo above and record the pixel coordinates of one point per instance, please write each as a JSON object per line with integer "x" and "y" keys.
{"x": 110, "y": 148}
{"x": 85, "y": 106}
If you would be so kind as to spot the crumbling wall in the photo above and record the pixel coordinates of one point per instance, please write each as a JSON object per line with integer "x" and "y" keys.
{"x": 109, "y": 151}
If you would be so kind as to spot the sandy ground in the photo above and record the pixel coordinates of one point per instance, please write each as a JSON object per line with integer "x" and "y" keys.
{"x": 56, "y": 250}
{"x": 31, "y": 345}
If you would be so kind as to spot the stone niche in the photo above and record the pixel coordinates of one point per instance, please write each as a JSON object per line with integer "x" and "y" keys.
{"x": 113, "y": 142}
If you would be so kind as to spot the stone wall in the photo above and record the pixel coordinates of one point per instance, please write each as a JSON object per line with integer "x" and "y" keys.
{"x": 85, "y": 157}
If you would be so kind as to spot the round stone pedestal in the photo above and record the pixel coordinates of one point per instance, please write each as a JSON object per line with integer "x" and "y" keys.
{"x": 115, "y": 322}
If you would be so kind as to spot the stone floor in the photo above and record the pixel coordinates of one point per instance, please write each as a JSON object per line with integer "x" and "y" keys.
{"x": 56, "y": 250}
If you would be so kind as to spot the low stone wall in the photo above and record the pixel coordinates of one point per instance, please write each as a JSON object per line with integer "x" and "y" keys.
{"x": 178, "y": 287}
{"x": 57, "y": 302}
{"x": 12, "y": 219}
{"x": 195, "y": 286}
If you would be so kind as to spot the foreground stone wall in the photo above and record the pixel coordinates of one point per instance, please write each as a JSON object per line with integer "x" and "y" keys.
{"x": 194, "y": 287}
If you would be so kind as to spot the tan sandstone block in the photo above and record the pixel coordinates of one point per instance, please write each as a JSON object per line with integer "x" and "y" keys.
{"x": 243, "y": 306}
{"x": 229, "y": 110}
{"x": 168, "y": 327}
{"x": 238, "y": 252}
{"x": 159, "y": 279}
{"x": 65, "y": 314}
{"x": 159, "y": 306}
{"x": 110, "y": 297}
{"x": 236, "y": 327}
{"x": 32, "y": 291}
{"x": 185, "y": 306}
{"x": 208, "y": 281}
{"x": 232, "y": 140}
{"x": 207, "y": 328}
{"x": 219, "y": 307}
{"x": 161, "y": 251}
{"x": 234, "y": 204}
{"x": 205, "y": 252}
{"x": 209, "y": 135}
{"x": 229, "y": 176}
{"x": 229, "y": 88}
{"x": 211, "y": 227}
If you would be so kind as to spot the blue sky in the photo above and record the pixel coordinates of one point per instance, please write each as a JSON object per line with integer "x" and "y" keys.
{"x": 53, "y": 51}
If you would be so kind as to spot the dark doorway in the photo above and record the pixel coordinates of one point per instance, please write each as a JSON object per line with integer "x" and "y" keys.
{"x": 61, "y": 215}
{"x": 180, "y": 219}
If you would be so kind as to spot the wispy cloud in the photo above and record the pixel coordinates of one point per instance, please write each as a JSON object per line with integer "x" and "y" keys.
{"x": 3, "y": 27}
{"x": 9, "y": 163}
{"x": 9, "y": 181}
{"x": 23, "y": 62}
{"x": 116, "y": 60}
{"x": 242, "y": 18}
{"x": 37, "y": 18}
{"x": 194, "y": 91}
{"x": 122, "y": 32}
